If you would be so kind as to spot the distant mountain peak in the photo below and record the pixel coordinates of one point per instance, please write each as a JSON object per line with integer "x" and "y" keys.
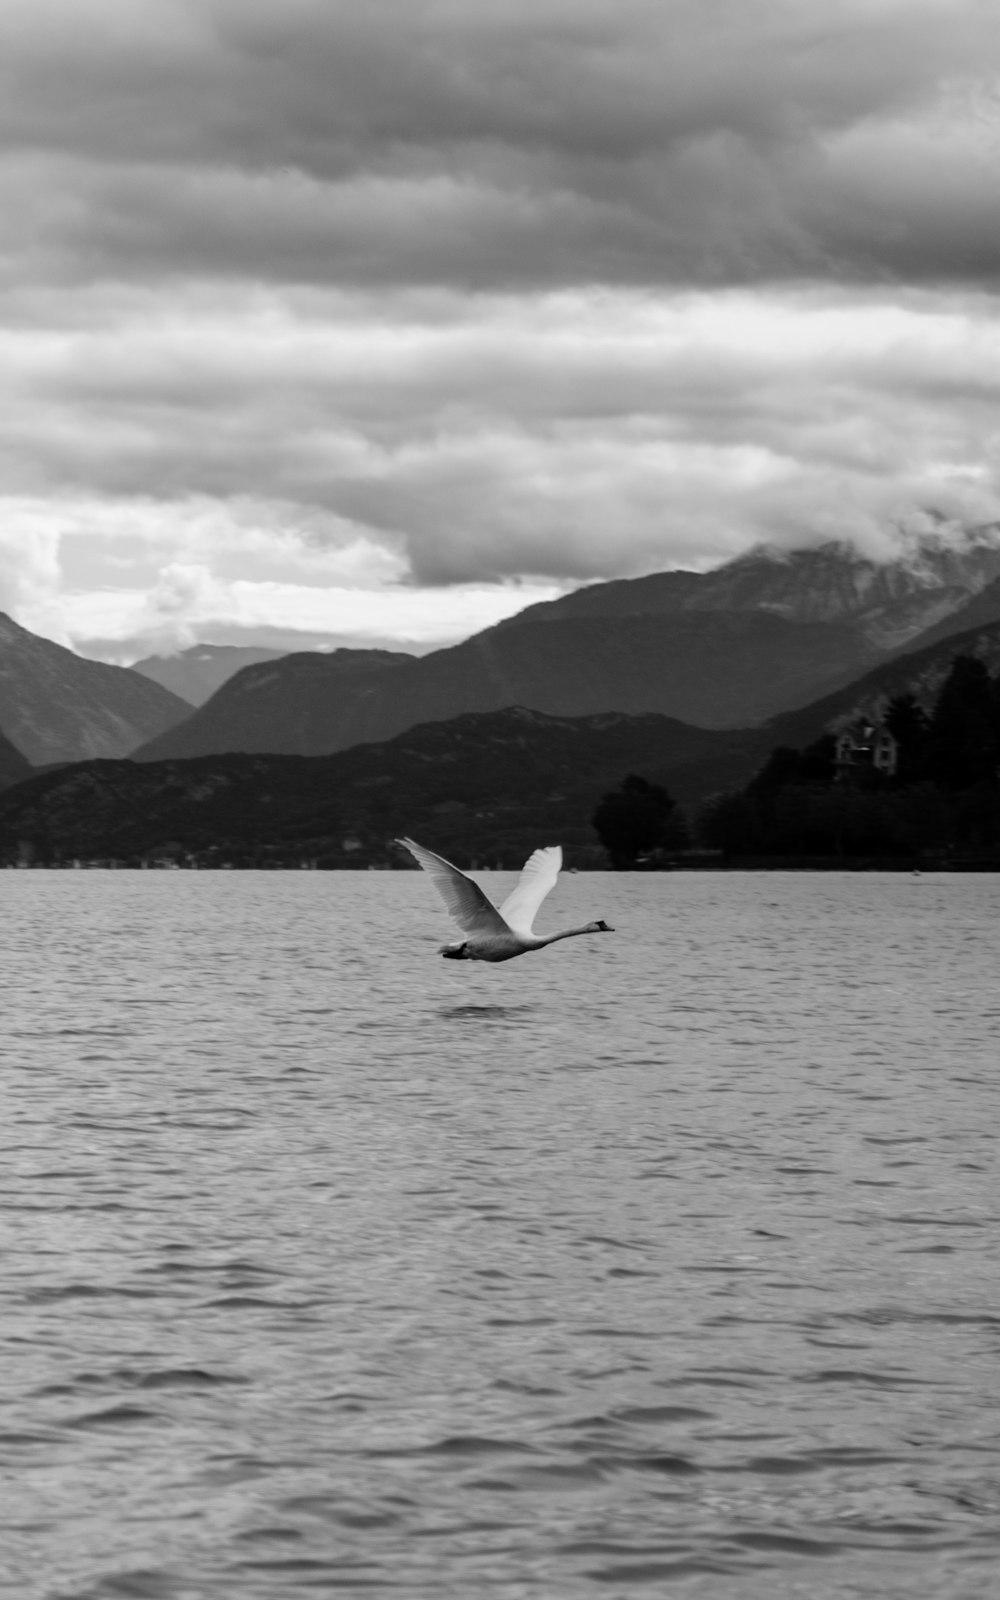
{"x": 58, "y": 706}
{"x": 199, "y": 671}
{"x": 934, "y": 572}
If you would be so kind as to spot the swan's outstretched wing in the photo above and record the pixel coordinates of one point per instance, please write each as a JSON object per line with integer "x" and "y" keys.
{"x": 466, "y": 902}
{"x": 538, "y": 877}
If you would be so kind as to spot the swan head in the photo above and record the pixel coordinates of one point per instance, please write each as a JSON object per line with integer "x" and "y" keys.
{"x": 455, "y": 952}
{"x": 600, "y": 927}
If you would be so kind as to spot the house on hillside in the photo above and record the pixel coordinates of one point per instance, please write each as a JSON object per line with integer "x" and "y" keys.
{"x": 865, "y": 746}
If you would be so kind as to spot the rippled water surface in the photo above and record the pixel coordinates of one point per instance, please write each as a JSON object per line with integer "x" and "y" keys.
{"x": 656, "y": 1263}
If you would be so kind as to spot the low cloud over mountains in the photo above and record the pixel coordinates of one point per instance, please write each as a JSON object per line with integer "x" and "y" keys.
{"x": 332, "y": 305}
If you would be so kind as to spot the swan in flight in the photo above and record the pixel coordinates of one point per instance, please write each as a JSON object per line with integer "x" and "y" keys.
{"x": 492, "y": 935}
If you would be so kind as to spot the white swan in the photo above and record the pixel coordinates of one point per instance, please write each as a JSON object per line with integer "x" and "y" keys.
{"x": 493, "y": 935}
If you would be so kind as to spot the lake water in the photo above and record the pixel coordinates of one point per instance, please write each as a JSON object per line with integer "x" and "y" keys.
{"x": 662, "y": 1262}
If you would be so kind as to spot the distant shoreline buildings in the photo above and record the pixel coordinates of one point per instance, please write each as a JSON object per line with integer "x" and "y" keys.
{"x": 865, "y": 746}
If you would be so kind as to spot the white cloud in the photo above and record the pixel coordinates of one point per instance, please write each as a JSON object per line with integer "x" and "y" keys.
{"x": 169, "y": 574}
{"x": 309, "y": 301}
{"x": 29, "y": 573}
{"x": 188, "y": 605}
{"x": 331, "y": 465}
{"x": 344, "y": 443}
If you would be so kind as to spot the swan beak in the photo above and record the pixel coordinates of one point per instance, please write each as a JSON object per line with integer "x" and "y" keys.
{"x": 604, "y": 927}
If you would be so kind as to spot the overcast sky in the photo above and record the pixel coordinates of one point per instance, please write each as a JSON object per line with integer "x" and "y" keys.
{"x": 378, "y": 319}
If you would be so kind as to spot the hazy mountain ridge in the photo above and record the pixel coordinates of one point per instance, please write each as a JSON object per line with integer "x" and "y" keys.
{"x": 889, "y": 603}
{"x": 979, "y": 612}
{"x": 195, "y": 674}
{"x": 726, "y": 649}
{"x": 710, "y": 650}
{"x": 58, "y": 706}
{"x": 486, "y": 784}
{"x": 710, "y": 670}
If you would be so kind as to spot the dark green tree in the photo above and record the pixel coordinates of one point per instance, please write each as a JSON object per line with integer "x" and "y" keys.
{"x": 782, "y": 767}
{"x": 818, "y": 761}
{"x": 963, "y": 741}
{"x": 909, "y": 725}
{"x": 785, "y": 765}
{"x": 636, "y": 819}
{"x": 734, "y": 823}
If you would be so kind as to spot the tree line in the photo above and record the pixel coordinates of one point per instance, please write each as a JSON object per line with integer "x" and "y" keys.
{"x": 942, "y": 800}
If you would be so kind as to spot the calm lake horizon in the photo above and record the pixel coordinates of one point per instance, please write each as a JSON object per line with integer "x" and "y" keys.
{"x": 656, "y": 1263}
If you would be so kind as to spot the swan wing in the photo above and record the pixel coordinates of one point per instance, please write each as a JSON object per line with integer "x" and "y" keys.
{"x": 466, "y": 902}
{"x": 538, "y": 878}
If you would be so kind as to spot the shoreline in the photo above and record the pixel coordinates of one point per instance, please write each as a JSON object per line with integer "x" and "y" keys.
{"x": 915, "y": 867}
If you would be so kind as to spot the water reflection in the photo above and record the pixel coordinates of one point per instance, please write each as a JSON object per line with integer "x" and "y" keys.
{"x": 478, "y": 1013}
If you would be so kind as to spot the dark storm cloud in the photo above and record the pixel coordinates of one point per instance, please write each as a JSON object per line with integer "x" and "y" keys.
{"x": 496, "y": 143}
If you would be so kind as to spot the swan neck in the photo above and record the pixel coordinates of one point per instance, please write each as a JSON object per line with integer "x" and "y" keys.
{"x": 568, "y": 933}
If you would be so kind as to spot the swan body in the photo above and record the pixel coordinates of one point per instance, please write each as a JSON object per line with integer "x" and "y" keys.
{"x": 492, "y": 935}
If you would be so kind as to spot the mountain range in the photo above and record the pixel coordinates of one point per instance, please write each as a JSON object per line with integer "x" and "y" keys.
{"x": 919, "y": 672}
{"x": 764, "y": 634}
{"x": 196, "y": 673}
{"x": 484, "y": 786}
{"x": 487, "y": 786}
{"x": 776, "y": 642}
{"x": 888, "y": 603}
{"x": 725, "y": 670}
{"x": 57, "y": 706}
{"x": 981, "y": 610}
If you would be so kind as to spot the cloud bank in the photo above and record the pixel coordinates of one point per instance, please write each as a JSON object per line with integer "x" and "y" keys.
{"x": 437, "y": 299}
